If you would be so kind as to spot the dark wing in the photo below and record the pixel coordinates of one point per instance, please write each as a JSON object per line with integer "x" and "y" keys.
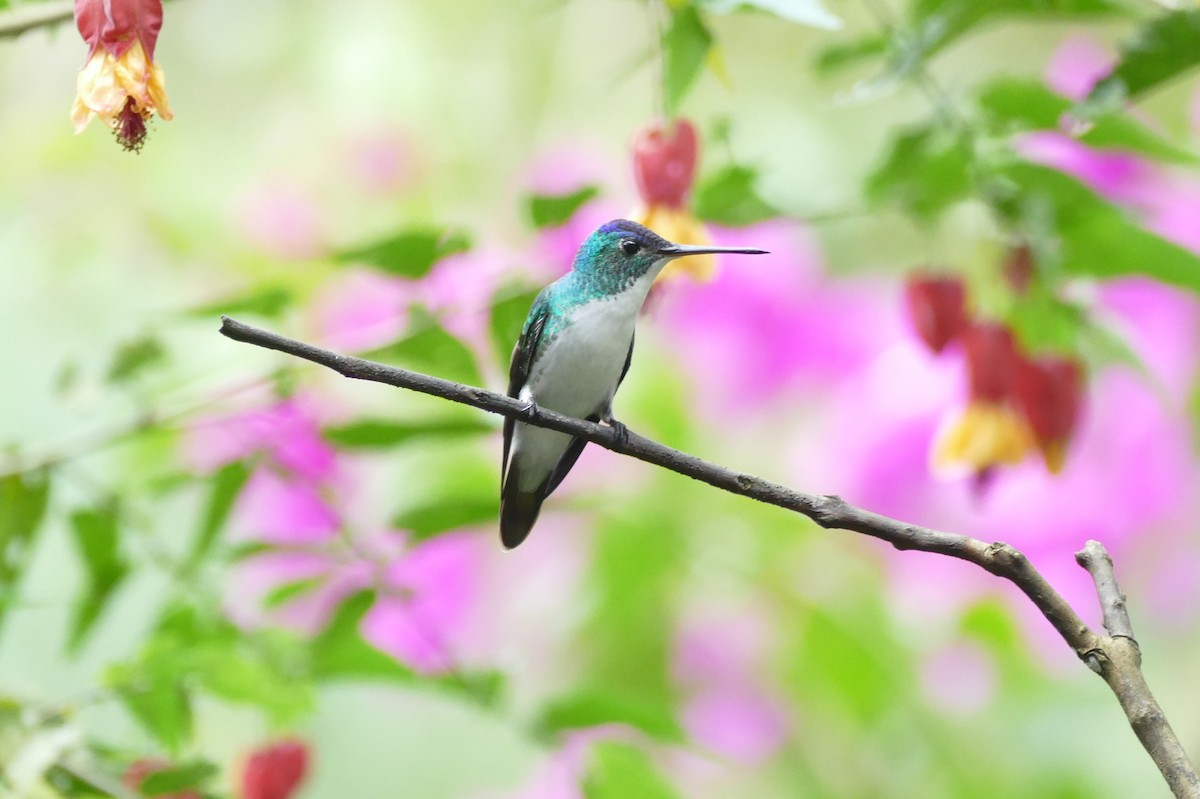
{"x": 518, "y": 371}
{"x": 628, "y": 360}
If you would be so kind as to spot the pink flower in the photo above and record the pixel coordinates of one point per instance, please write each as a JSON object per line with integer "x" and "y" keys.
{"x": 283, "y": 220}
{"x": 719, "y": 652}
{"x": 425, "y": 593}
{"x": 283, "y": 510}
{"x": 287, "y": 434}
{"x": 361, "y": 309}
{"x": 1077, "y": 65}
{"x": 426, "y": 598}
{"x": 762, "y": 328}
{"x": 382, "y": 161}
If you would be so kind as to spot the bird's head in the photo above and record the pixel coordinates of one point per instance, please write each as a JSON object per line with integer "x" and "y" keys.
{"x": 621, "y": 252}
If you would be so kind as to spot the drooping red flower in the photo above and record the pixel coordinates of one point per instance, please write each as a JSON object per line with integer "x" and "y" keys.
{"x": 120, "y": 83}
{"x": 937, "y": 307}
{"x": 275, "y": 771}
{"x": 139, "y": 770}
{"x": 1048, "y": 391}
{"x": 664, "y": 162}
{"x": 664, "y": 167}
{"x": 989, "y": 431}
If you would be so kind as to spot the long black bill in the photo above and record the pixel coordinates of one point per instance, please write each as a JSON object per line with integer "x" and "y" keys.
{"x": 680, "y": 250}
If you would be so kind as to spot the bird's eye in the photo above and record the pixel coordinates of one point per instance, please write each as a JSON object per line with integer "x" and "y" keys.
{"x": 630, "y": 246}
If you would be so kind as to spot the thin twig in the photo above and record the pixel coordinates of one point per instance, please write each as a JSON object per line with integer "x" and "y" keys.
{"x": 1108, "y": 655}
{"x": 24, "y": 18}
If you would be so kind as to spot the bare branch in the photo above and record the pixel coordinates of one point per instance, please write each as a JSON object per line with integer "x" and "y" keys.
{"x": 1119, "y": 662}
{"x": 21, "y": 19}
{"x": 1107, "y": 655}
{"x": 1094, "y": 557}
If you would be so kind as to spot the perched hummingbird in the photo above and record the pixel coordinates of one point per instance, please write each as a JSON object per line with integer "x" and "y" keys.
{"x": 573, "y": 353}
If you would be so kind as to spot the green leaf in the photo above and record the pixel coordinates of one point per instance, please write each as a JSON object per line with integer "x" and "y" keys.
{"x": 841, "y": 56}
{"x": 134, "y": 357}
{"x": 282, "y": 594}
{"x": 97, "y": 537}
{"x": 431, "y": 349}
{"x": 442, "y": 516}
{"x": 1163, "y": 49}
{"x": 509, "y": 312}
{"x": 1096, "y": 238}
{"x": 178, "y": 778}
{"x": 227, "y": 484}
{"x": 1017, "y": 104}
{"x": 158, "y": 701}
{"x": 926, "y": 170}
{"x": 409, "y": 253}
{"x": 852, "y": 675}
{"x": 805, "y": 12}
{"x": 619, "y": 770}
{"x": 269, "y": 301}
{"x": 1043, "y": 322}
{"x": 340, "y": 651}
{"x": 552, "y": 210}
{"x": 728, "y": 197}
{"x": 23, "y": 500}
{"x": 935, "y": 24}
{"x": 386, "y": 433}
{"x": 594, "y": 705}
{"x": 259, "y": 669}
{"x": 464, "y": 495}
{"x": 685, "y": 47}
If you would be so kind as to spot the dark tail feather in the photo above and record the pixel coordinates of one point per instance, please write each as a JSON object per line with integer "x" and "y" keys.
{"x": 518, "y": 509}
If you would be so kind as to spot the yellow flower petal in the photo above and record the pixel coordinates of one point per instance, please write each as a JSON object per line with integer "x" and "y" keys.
{"x": 105, "y": 83}
{"x": 679, "y": 226}
{"x": 979, "y": 437}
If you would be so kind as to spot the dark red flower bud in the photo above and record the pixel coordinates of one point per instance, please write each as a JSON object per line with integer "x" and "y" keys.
{"x": 139, "y": 770}
{"x": 991, "y": 361}
{"x": 1018, "y": 267}
{"x": 664, "y": 163}
{"x": 1049, "y": 393}
{"x": 275, "y": 771}
{"x": 937, "y": 307}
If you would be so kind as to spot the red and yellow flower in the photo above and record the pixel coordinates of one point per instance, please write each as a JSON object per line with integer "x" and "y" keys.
{"x": 664, "y": 166}
{"x": 120, "y": 83}
{"x": 990, "y": 431}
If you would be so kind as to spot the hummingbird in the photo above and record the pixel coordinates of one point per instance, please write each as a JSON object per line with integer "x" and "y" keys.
{"x": 573, "y": 353}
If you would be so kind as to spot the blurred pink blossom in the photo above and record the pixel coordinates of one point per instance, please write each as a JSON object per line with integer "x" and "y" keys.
{"x": 769, "y": 323}
{"x": 428, "y": 593}
{"x": 425, "y": 592}
{"x": 382, "y": 161}
{"x": 361, "y": 309}
{"x": 727, "y": 709}
{"x": 459, "y": 291}
{"x": 287, "y": 433}
{"x": 959, "y": 679}
{"x": 283, "y": 220}
{"x": 283, "y": 510}
{"x": 1078, "y": 63}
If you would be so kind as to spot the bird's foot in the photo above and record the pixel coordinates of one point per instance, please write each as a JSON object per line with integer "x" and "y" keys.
{"x": 620, "y": 431}
{"x": 530, "y": 410}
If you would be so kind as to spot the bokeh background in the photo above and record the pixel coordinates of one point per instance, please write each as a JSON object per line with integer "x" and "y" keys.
{"x": 291, "y": 555}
